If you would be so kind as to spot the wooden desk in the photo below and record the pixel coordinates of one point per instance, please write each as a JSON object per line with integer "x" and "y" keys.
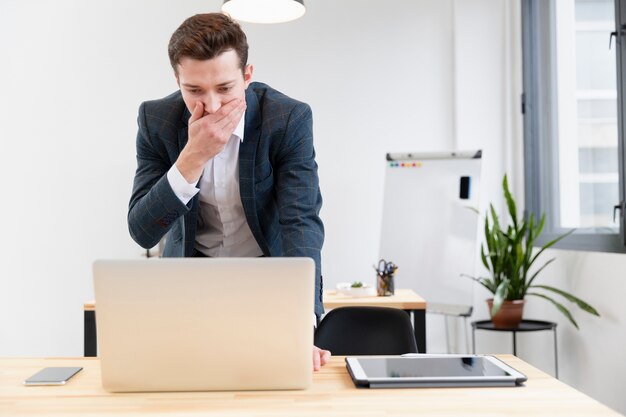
{"x": 403, "y": 299}
{"x": 331, "y": 395}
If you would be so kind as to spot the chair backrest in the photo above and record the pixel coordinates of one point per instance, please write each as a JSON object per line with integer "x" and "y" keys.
{"x": 366, "y": 331}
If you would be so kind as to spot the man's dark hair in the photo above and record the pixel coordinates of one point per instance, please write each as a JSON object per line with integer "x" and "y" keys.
{"x": 205, "y": 36}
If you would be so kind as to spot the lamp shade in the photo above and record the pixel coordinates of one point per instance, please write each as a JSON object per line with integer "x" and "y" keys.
{"x": 264, "y": 11}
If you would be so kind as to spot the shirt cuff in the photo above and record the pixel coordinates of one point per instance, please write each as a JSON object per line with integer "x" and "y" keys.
{"x": 183, "y": 190}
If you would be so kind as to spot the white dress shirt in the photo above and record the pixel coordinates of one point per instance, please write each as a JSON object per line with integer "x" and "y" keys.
{"x": 222, "y": 230}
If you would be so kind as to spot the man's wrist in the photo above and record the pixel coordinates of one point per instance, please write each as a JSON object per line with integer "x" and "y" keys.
{"x": 184, "y": 191}
{"x": 190, "y": 170}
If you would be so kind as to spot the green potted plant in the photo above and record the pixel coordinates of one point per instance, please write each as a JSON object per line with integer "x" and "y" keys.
{"x": 509, "y": 256}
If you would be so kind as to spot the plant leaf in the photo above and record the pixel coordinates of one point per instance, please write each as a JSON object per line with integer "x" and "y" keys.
{"x": 489, "y": 239}
{"x": 485, "y": 282}
{"x": 530, "y": 239}
{"x": 494, "y": 217}
{"x": 532, "y": 278}
{"x": 580, "y": 303}
{"x": 542, "y": 222}
{"x": 510, "y": 202}
{"x": 484, "y": 257}
{"x": 559, "y": 306}
{"x": 550, "y": 243}
{"x": 499, "y": 296}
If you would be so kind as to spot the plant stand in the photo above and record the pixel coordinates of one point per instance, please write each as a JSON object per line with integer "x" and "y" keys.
{"x": 524, "y": 326}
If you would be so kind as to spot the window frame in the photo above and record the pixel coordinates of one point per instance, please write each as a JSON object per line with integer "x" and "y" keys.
{"x": 541, "y": 196}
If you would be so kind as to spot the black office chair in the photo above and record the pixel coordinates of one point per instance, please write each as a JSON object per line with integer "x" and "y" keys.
{"x": 366, "y": 331}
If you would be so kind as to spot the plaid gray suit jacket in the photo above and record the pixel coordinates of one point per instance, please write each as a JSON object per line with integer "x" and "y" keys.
{"x": 277, "y": 177}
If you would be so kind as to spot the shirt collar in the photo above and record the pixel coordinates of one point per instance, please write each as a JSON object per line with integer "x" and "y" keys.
{"x": 240, "y": 129}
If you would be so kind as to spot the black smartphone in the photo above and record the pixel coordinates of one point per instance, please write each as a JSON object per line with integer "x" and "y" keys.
{"x": 52, "y": 376}
{"x": 465, "y": 188}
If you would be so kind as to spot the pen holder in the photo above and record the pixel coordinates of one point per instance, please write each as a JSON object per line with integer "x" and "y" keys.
{"x": 384, "y": 285}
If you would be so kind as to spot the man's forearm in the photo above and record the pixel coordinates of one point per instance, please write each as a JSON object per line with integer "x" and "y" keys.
{"x": 151, "y": 216}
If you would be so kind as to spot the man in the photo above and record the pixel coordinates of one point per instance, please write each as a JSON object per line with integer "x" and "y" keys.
{"x": 226, "y": 166}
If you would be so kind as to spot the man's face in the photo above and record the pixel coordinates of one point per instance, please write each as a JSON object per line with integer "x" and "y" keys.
{"x": 214, "y": 82}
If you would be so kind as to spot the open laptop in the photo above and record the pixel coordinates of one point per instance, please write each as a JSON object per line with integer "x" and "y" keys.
{"x": 198, "y": 324}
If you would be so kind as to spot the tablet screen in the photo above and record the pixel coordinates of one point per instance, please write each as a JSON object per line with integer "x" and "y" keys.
{"x": 467, "y": 366}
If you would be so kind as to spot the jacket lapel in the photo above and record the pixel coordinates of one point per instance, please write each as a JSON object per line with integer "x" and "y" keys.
{"x": 183, "y": 129}
{"x": 191, "y": 218}
{"x": 247, "y": 157}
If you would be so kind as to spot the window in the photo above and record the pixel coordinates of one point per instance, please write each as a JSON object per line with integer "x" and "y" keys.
{"x": 573, "y": 144}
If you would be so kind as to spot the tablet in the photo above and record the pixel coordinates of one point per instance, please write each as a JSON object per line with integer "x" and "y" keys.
{"x": 424, "y": 370}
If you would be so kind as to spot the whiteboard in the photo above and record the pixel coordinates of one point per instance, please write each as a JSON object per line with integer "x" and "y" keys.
{"x": 428, "y": 230}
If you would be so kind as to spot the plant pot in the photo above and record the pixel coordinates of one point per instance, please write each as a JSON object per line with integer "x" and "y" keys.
{"x": 510, "y": 314}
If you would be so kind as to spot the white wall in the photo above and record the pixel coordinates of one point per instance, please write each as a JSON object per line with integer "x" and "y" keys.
{"x": 590, "y": 357}
{"x": 397, "y": 76}
{"x": 377, "y": 82}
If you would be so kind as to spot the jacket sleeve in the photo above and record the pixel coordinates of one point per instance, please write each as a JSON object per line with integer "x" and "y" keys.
{"x": 153, "y": 206}
{"x": 298, "y": 193}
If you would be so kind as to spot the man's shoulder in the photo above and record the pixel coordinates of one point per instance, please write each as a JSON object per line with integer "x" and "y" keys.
{"x": 169, "y": 108}
{"x": 269, "y": 97}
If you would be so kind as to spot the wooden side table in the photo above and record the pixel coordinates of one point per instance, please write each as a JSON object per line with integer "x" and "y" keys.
{"x": 524, "y": 326}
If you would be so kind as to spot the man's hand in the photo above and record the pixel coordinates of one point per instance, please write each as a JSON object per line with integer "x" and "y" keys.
{"x": 208, "y": 135}
{"x": 320, "y": 358}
